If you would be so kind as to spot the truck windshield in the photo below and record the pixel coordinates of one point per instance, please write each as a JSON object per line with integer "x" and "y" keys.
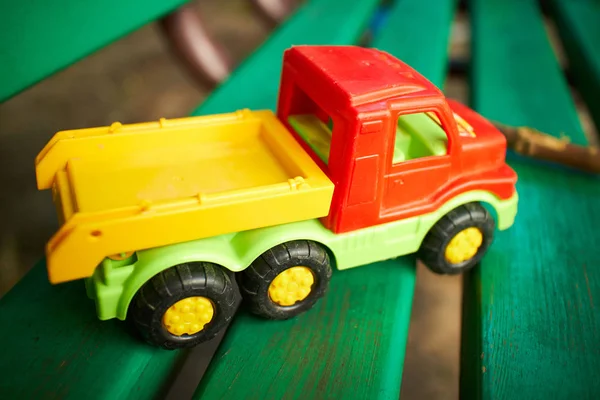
{"x": 419, "y": 135}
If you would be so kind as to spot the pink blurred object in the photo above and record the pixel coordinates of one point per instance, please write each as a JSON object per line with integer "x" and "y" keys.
{"x": 191, "y": 41}
{"x": 275, "y": 11}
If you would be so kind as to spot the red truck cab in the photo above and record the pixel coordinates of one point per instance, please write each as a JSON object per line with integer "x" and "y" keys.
{"x": 389, "y": 140}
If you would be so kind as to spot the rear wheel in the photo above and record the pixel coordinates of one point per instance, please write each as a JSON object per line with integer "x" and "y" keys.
{"x": 286, "y": 280}
{"x": 184, "y": 306}
{"x": 459, "y": 240}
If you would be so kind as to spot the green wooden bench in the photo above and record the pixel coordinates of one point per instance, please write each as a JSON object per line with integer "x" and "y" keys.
{"x": 530, "y": 321}
{"x": 531, "y": 314}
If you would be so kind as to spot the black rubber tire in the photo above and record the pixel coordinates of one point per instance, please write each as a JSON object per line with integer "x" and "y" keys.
{"x": 255, "y": 280}
{"x": 434, "y": 245}
{"x": 166, "y": 288}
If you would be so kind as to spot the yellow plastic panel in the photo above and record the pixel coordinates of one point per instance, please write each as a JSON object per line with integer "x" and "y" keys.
{"x": 131, "y": 187}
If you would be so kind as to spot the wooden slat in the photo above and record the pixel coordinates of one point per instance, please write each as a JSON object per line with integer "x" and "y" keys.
{"x": 402, "y": 35}
{"x": 579, "y": 27}
{"x": 40, "y": 38}
{"x": 531, "y": 323}
{"x": 53, "y": 346}
{"x": 352, "y": 344}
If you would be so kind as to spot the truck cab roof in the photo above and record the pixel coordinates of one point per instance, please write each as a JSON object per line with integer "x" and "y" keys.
{"x": 358, "y": 75}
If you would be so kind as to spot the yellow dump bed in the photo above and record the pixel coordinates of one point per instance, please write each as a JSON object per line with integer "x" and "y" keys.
{"x": 130, "y": 187}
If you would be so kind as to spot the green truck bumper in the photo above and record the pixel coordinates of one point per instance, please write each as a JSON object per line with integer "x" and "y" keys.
{"x": 507, "y": 212}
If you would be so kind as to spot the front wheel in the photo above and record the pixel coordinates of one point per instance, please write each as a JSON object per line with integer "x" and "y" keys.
{"x": 459, "y": 240}
{"x": 286, "y": 280}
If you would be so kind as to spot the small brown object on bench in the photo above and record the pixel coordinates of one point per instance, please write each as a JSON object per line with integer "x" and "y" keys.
{"x": 542, "y": 146}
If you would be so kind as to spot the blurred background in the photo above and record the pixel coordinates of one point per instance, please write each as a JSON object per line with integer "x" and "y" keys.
{"x": 138, "y": 78}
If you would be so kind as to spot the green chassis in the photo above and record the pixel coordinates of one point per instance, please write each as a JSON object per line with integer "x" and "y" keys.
{"x": 114, "y": 283}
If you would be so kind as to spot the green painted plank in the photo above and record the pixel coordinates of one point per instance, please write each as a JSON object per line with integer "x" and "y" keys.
{"x": 513, "y": 65}
{"x": 351, "y": 345}
{"x": 579, "y": 28}
{"x": 403, "y": 37}
{"x": 55, "y": 347}
{"x": 255, "y": 83}
{"x": 531, "y": 318}
{"x": 40, "y": 38}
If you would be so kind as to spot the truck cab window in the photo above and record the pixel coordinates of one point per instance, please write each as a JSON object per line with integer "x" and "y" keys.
{"x": 316, "y": 133}
{"x": 419, "y": 135}
{"x": 313, "y": 125}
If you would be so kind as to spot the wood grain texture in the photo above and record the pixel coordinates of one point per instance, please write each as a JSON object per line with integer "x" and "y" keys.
{"x": 41, "y": 38}
{"x": 55, "y": 347}
{"x": 352, "y": 344}
{"x": 579, "y": 28}
{"x": 531, "y": 313}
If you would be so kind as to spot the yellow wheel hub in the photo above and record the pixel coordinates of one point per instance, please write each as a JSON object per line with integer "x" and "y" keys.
{"x": 464, "y": 245}
{"x": 291, "y": 286}
{"x": 188, "y": 316}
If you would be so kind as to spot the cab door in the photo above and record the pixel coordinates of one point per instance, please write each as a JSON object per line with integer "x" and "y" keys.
{"x": 419, "y": 162}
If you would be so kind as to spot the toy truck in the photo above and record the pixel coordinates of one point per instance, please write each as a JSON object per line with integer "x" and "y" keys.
{"x": 364, "y": 160}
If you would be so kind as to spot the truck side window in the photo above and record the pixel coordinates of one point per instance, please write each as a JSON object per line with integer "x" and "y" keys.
{"x": 315, "y": 132}
{"x": 419, "y": 135}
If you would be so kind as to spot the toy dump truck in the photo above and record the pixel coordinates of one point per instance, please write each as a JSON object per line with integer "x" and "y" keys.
{"x": 364, "y": 160}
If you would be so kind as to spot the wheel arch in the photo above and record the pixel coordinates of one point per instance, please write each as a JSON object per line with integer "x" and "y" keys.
{"x": 234, "y": 252}
{"x": 503, "y": 211}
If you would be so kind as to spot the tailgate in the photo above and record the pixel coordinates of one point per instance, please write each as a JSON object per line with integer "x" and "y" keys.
{"x": 130, "y": 187}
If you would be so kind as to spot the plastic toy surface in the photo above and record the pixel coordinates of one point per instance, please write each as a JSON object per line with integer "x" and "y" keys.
{"x": 365, "y": 160}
